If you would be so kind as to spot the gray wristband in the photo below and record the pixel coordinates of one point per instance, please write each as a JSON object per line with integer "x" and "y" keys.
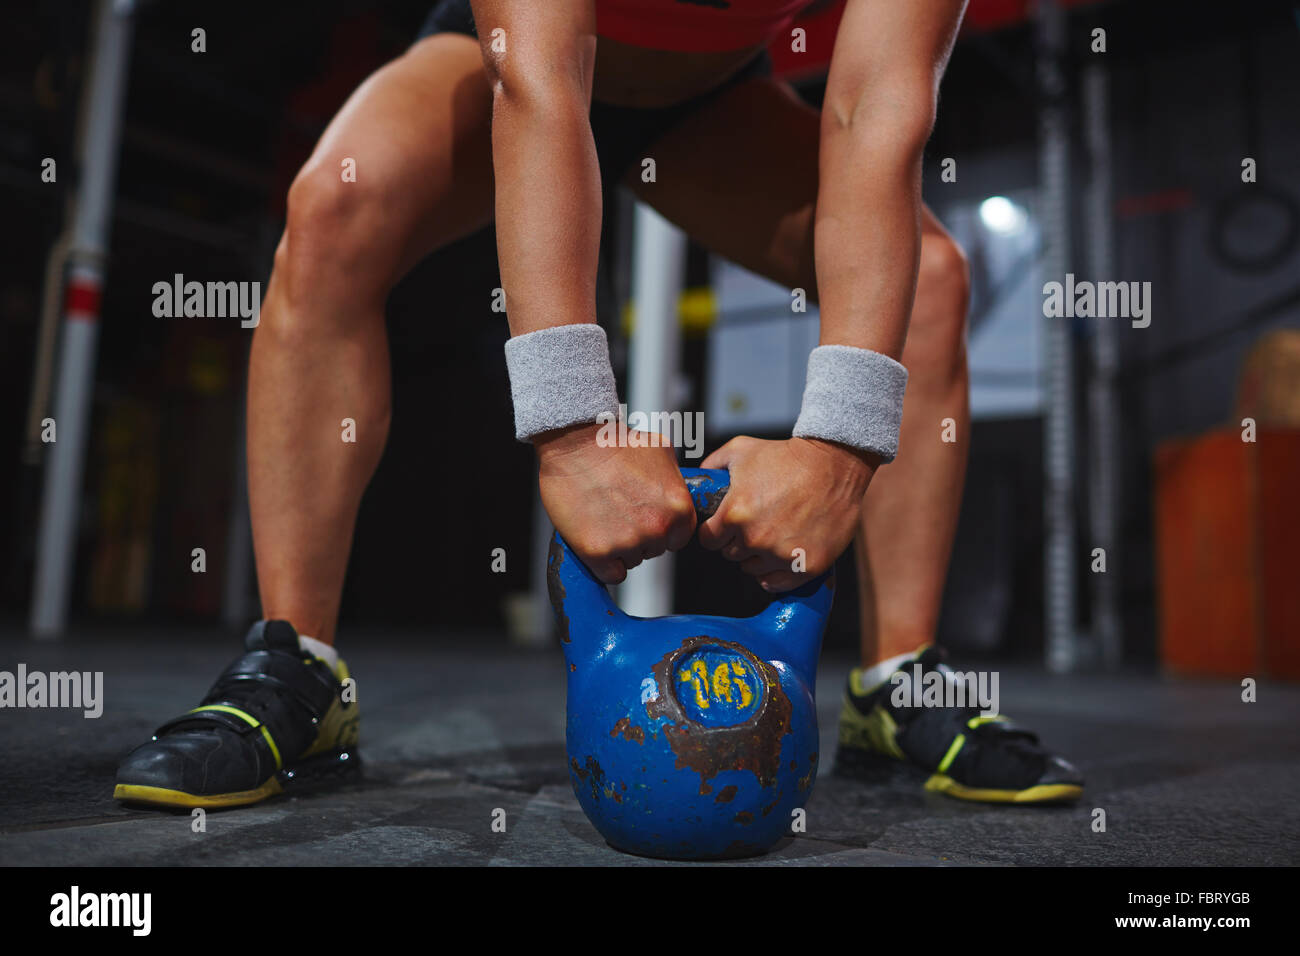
{"x": 559, "y": 377}
{"x": 854, "y": 397}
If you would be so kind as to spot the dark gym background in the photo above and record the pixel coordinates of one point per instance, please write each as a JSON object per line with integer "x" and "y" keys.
{"x": 206, "y": 158}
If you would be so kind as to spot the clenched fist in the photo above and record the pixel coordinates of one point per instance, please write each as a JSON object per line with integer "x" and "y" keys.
{"x": 792, "y": 509}
{"x": 614, "y": 506}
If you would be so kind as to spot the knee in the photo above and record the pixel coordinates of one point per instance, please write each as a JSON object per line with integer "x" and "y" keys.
{"x": 943, "y": 280}
{"x": 936, "y": 338}
{"x": 332, "y": 235}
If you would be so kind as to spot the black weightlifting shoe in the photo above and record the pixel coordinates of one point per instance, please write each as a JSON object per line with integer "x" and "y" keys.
{"x": 278, "y": 718}
{"x": 954, "y": 750}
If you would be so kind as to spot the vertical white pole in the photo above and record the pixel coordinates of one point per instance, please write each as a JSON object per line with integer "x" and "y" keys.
{"x": 101, "y": 130}
{"x": 654, "y": 359}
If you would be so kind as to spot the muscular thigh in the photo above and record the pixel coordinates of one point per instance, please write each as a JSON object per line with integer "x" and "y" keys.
{"x": 740, "y": 177}
{"x": 418, "y": 135}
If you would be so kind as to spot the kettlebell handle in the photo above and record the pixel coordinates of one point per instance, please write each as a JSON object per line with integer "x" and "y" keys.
{"x": 571, "y": 582}
{"x": 789, "y": 628}
{"x": 708, "y": 486}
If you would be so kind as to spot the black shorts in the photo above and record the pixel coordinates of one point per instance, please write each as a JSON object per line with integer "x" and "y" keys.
{"x": 623, "y": 135}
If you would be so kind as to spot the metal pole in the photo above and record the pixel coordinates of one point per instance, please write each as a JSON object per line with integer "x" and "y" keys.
{"x": 654, "y": 359}
{"x": 1103, "y": 401}
{"x": 101, "y": 130}
{"x": 1062, "y": 652}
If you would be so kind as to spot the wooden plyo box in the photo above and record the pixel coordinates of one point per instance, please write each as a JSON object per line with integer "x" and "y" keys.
{"x": 1227, "y": 516}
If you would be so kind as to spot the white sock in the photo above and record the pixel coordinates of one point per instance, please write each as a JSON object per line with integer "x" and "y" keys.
{"x": 322, "y": 650}
{"x": 880, "y": 672}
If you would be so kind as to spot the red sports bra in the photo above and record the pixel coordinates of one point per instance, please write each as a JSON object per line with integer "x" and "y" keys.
{"x": 695, "y": 25}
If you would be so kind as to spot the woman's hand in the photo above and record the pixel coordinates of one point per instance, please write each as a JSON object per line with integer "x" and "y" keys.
{"x": 614, "y": 506}
{"x": 792, "y": 509}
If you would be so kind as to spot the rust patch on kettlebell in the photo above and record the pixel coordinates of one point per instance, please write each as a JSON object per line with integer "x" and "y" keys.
{"x": 726, "y": 794}
{"x": 744, "y": 818}
{"x": 806, "y": 781}
{"x": 629, "y": 731}
{"x": 754, "y": 745}
{"x": 555, "y": 587}
{"x": 594, "y": 772}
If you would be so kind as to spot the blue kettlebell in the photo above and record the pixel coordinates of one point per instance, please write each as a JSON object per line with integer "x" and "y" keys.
{"x": 690, "y": 737}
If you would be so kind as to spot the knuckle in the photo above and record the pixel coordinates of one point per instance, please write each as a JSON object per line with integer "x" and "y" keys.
{"x": 738, "y": 514}
{"x": 625, "y": 547}
{"x": 656, "y": 525}
{"x": 598, "y": 550}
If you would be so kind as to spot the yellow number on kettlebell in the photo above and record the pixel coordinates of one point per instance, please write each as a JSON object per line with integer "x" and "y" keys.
{"x": 694, "y": 673}
{"x": 746, "y": 695}
{"x": 721, "y": 682}
{"x": 719, "y": 686}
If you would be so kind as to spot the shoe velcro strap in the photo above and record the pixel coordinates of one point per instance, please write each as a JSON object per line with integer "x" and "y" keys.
{"x": 224, "y": 715}
{"x": 950, "y": 755}
{"x": 308, "y": 677}
{"x": 290, "y": 723}
{"x": 210, "y": 715}
{"x": 999, "y": 726}
{"x": 316, "y": 707}
{"x": 934, "y": 737}
{"x": 291, "y": 697}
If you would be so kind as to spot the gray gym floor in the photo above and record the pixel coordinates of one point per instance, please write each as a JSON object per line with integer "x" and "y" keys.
{"x": 451, "y": 730}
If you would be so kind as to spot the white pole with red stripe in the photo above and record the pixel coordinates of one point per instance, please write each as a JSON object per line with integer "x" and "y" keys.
{"x": 56, "y": 543}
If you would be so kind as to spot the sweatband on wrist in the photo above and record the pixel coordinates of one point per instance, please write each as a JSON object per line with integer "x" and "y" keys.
{"x": 854, "y": 397}
{"x": 560, "y": 377}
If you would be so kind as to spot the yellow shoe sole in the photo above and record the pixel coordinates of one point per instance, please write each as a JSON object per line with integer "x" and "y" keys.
{"x": 1043, "y": 793}
{"x": 162, "y": 797}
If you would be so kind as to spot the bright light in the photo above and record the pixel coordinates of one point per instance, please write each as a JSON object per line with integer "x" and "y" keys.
{"x": 999, "y": 214}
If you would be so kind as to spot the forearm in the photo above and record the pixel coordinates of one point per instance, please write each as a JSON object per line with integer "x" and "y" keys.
{"x": 539, "y": 59}
{"x": 548, "y": 214}
{"x": 867, "y": 244}
{"x": 878, "y": 112}
{"x": 867, "y": 240}
{"x": 548, "y": 209}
